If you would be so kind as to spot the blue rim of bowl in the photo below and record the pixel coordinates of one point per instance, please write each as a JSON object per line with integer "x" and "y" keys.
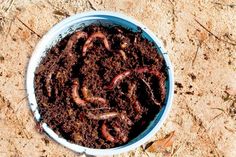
{"x": 147, "y": 134}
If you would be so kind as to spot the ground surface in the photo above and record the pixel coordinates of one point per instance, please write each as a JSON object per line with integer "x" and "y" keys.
{"x": 200, "y": 38}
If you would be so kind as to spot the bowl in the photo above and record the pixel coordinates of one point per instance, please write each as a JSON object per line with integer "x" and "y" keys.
{"x": 68, "y": 26}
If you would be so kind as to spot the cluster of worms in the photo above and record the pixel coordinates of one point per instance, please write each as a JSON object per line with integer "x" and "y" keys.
{"x": 88, "y": 98}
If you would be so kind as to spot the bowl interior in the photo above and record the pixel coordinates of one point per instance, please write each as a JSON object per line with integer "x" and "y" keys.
{"x": 77, "y": 22}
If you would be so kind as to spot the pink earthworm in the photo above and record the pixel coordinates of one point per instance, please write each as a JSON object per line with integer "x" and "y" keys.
{"x": 141, "y": 70}
{"x": 116, "y": 79}
{"x": 123, "y": 137}
{"x": 131, "y": 90}
{"x": 158, "y": 75}
{"x": 161, "y": 78}
{"x": 75, "y": 94}
{"x": 125, "y": 118}
{"x": 111, "y": 138}
{"x": 106, "y": 134}
{"x": 137, "y": 108}
{"x": 122, "y": 75}
{"x": 110, "y": 115}
{"x": 89, "y": 41}
{"x": 123, "y": 55}
{"x": 97, "y": 99}
{"x": 92, "y": 99}
{"x": 72, "y": 41}
{"x": 103, "y": 116}
{"x": 136, "y": 104}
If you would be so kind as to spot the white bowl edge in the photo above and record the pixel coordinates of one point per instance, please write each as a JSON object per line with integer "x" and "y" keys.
{"x": 33, "y": 63}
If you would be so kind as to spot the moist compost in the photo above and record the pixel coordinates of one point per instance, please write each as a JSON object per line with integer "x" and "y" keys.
{"x": 100, "y": 87}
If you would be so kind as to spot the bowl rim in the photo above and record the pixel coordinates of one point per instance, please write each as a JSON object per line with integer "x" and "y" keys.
{"x": 81, "y": 149}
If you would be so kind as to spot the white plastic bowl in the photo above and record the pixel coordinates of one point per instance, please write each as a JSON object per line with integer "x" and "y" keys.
{"x": 66, "y": 27}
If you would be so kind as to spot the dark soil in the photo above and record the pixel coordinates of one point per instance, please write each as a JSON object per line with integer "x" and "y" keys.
{"x": 76, "y": 96}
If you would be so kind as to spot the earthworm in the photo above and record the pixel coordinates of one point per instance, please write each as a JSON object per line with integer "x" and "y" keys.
{"x": 124, "y": 138}
{"x": 48, "y": 84}
{"x": 111, "y": 138}
{"x": 89, "y": 41}
{"x": 106, "y": 134}
{"x": 104, "y": 116}
{"x": 73, "y": 39}
{"x": 121, "y": 76}
{"x": 116, "y": 79}
{"x": 123, "y": 55}
{"x": 85, "y": 92}
{"x": 136, "y": 104}
{"x": 159, "y": 76}
{"x": 97, "y": 99}
{"x": 125, "y": 118}
{"x": 110, "y": 115}
{"x": 91, "y": 99}
{"x": 68, "y": 49}
{"x": 150, "y": 91}
{"x": 75, "y": 94}
{"x": 137, "y": 108}
{"x": 131, "y": 90}
{"x": 141, "y": 70}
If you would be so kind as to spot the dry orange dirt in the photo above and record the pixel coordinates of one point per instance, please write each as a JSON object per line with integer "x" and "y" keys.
{"x": 200, "y": 38}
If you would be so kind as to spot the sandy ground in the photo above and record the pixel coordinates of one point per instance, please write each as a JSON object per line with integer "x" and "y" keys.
{"x": 200, "y": 37}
